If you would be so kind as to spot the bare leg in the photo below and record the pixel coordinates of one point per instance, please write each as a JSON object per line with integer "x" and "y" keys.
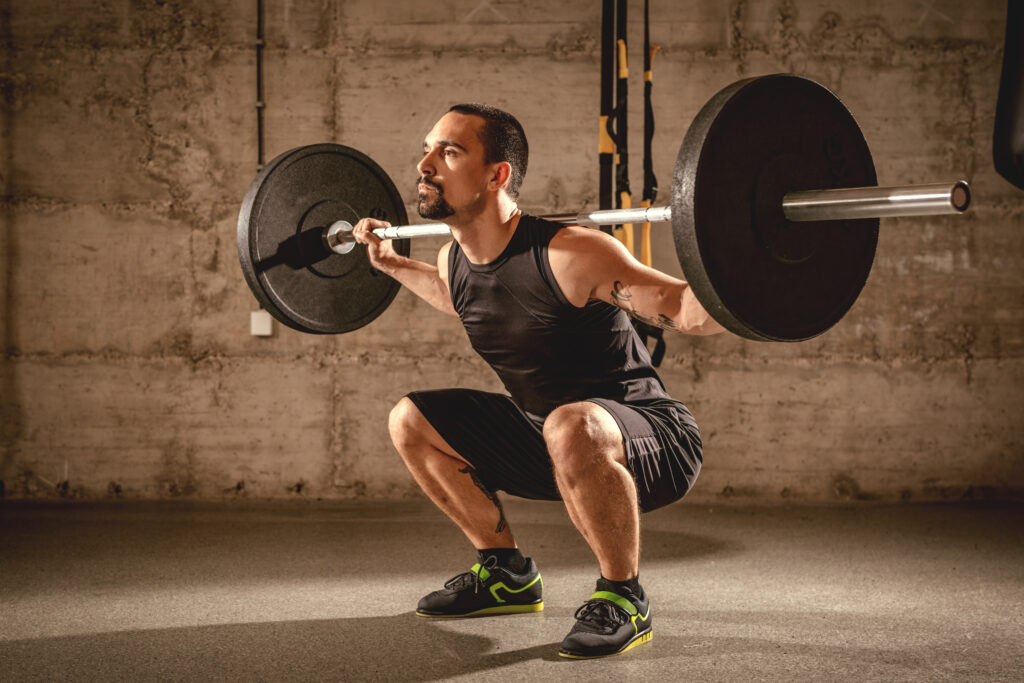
{"x": 589, "y": 460}
{"x": 447, "y": 479}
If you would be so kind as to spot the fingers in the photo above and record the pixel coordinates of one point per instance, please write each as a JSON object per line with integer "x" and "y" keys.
{"x": 363, "y": 230}
{"x": 378, "y": 251}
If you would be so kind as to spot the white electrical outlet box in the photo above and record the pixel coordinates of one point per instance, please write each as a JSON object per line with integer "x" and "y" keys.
{"x": 261, "y": 324}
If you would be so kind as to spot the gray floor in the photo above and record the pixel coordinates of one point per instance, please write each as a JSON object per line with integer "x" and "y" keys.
{"x": 325, "y": 591}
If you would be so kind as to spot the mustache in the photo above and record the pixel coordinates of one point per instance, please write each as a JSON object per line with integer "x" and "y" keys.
{"x": 425, "y": 181}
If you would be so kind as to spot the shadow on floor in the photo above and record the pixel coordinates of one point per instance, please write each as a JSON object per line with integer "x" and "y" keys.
{"x": 407, "y": 648}
{"x": 398, "y": 648}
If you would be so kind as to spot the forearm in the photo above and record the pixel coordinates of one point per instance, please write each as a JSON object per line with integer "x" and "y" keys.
{"x": 423, "y": 279}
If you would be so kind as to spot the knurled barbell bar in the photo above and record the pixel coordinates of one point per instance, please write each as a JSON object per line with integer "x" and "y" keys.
{"x": 775, "y": 210}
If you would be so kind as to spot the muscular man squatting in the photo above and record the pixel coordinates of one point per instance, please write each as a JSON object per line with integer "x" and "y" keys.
{"x": 587, "y": 421}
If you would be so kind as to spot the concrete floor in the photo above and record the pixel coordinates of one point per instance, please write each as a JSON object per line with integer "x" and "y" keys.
{"x": 325, "y": 591}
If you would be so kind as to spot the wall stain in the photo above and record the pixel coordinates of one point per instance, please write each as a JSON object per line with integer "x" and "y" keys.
{"x": 178, "y": 476}
{"x": 845, "y": 487}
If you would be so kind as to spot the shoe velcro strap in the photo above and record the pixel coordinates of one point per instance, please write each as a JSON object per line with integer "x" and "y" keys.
{"x": 481, "y": 571}
{"x": 617, "y": 599}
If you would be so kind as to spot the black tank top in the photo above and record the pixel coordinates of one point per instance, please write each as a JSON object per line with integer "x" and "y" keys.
{"x": 546, "y": 351}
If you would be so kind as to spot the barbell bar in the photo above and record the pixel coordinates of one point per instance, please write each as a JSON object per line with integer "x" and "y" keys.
{"x": 775, "y": 210}
{"x": 837, "y": 204}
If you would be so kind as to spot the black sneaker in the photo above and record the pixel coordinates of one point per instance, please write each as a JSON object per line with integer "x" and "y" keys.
{"x": 608, "y": 624}
{"x": 486, "y": 590}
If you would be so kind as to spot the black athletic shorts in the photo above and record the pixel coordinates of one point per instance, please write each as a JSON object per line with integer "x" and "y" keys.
{"x": 504, "y": 444}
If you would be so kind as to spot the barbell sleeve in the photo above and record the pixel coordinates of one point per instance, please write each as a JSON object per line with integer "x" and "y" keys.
{"x": 877, "y": 202}
{"x": 849, "y": 203}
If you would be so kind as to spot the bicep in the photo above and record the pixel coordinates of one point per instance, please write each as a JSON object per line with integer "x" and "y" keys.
{"x": 614, "y": 276}
{"x": 657, "y": 299}
{"x": 646, "y": 294}
{"x": 593, "y": 265}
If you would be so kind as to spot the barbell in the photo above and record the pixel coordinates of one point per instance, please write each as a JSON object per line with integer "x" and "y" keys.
{"x": 800, "y": 207}
{"x": 775, "y": 210}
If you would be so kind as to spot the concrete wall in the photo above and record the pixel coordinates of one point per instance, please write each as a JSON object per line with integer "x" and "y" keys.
{"x": 129, "y": 138}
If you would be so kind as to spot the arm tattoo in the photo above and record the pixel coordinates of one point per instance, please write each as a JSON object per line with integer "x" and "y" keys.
{"x": 623, "y": 298}
{"x": 491, "y": 496}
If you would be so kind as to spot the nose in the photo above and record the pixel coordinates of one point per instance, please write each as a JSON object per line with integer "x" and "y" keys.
{"x": 425, "y": 167}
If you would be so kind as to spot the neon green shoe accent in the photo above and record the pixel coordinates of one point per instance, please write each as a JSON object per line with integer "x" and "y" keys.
{"x": 481, "y": 571}
{"x": 636, "y": 616}
{"x": 618, "y": 600}
{"x": 498, "y": 609}
{"x": 633, "y": 643}
{"x": 495, "y": 587}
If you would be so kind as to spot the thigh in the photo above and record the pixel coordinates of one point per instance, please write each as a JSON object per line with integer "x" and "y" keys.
{"x": 491, "y": 433}
{"x": 663, "y": 448}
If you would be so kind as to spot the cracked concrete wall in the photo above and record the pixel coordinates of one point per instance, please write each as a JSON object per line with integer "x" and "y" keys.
{"x": 129, "y": 138}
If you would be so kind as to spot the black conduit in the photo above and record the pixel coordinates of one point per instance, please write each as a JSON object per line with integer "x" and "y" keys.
{"x": 259, "y": 85}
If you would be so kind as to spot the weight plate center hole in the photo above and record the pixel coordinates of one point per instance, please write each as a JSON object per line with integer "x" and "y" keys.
{"x": 315, "y": 255}
{"x": 787, "y": 241}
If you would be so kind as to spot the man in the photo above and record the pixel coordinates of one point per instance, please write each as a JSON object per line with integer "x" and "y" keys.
{"x": 587, "y": 420}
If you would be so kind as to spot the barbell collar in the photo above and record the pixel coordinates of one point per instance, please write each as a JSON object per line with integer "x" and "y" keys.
{"x": 877, "y": 202}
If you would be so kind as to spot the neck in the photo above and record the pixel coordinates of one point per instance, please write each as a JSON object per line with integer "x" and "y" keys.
{"x": 485, "y": 235}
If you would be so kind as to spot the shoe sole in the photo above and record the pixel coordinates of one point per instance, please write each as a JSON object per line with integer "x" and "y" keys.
{"x": 637, "y": 639}
{"x": 487, "y": 611}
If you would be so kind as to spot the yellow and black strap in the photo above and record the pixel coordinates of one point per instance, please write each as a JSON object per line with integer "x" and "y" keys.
{"x": 650, "y": 192}
{"x": 605, "y": 143}
{"x": 623, "y": 195}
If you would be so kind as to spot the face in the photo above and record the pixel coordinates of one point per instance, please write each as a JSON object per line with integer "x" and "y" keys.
{"x": 453, "y": 177}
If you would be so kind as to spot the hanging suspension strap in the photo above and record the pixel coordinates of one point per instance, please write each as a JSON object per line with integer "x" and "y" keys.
{"x": 650, "y": 181}
{"x": 605, "y": 143}
{"x": 650, "y": 187}
{"x": 623, "y": 195}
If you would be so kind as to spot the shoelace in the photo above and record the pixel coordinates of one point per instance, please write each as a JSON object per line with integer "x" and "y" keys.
{"x": 457, "y": 583}
{"x": 601, "y": 614}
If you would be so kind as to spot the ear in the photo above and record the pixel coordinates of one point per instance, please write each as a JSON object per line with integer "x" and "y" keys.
{"x": 500, "y": 176}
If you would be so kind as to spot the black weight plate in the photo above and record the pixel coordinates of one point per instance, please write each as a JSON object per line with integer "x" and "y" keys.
{"x": 293, "y": 275}
{"x": 758, "y": 274}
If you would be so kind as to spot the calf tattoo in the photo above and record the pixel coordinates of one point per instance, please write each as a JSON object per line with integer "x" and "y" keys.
{"x": 491, "y": 496}
{"x": 623, "y": 298}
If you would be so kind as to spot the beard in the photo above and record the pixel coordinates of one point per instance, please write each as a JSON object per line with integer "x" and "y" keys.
{"x": 433, "y": 205}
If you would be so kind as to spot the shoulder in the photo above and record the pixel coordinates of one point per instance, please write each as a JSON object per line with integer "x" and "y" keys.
{"x": 577, "y": 235}
{"x": 578, "y": 256}
{"x": 576, "y": 242}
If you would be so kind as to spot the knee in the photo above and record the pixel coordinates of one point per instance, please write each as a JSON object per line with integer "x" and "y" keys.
{"x": 405, "y": 423}
{"x": 581, "y": 435}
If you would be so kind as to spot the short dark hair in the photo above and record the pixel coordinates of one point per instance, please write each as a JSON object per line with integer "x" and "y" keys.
{"x": 503, "y": 139}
